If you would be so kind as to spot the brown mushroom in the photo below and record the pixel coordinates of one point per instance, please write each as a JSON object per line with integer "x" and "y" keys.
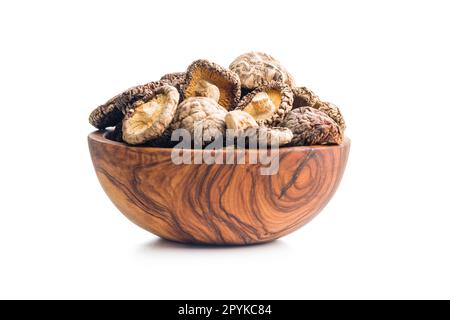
{"x": 311, "y": 126}
{"x": 256, "y": 69}
{"x": 202, "y": 117}
{"x": 304, "y": 97}
{"x": 107, "y": 115}
{"x": 332, "y": 111}
{"x": 113, "y": 111}
{"x": 150, "y": 117}
{"x": 201, "y": 78}
{"x": 269, "y": 103}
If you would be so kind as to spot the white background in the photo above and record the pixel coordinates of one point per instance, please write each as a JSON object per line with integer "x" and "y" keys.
{"x": 385, "y": 234}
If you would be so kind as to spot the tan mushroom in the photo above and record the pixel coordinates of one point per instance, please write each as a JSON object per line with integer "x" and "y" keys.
{"x": 149, "y": 118}
{"x": 256, "y": 69}
{"x": 113, "y": 111}
{"x": 207, "y": 79}
{"x": 268, "y": 104}
{"x": 202, "y": 117}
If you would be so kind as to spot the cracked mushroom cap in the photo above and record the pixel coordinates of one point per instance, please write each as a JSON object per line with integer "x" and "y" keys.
{"x": 312, "y": 127}
{"x": 256, "y": 69}
{"x": 269, "y": 103}
{"x": 332, "y": 111}
{"x": 303, "y": 97}
{"x": 112, "y": 112}
{"x": 150, "y": 117}
{"x": 202, "y": 117}
{"x": 202, "y": 74}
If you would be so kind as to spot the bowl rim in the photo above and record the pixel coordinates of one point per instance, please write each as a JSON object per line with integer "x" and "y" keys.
{"x": 100, "y": 137}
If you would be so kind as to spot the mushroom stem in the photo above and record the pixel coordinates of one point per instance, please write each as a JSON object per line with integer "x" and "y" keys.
{"x": 262, "y": 103}
{"x": 239, "y": 120}
{"x": 261, "y": 106}
{"x": 206, "y": 89}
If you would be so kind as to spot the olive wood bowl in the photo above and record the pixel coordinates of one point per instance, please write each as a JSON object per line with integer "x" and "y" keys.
{"x": 222, "y": 204}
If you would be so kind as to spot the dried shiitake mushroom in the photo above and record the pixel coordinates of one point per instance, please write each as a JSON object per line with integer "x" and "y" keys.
{"x": 256, "y": 68}
{"x": 113, "y": 111}
{"x": 303, "y": 97}
{"x": 332, "y": 111}
{"x": 147, "y": 119}
{"x": 239, "y": 120}
{"x": 203, "y": 76}
{"x": 275, "y": 135}
{"x": 311, "y": 126}
{"x": 269, "y": 103}
{"x": 107, "y": 115}
{"x": 202, "y": 117}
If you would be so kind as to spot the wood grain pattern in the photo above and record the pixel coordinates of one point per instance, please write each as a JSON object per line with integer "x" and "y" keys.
{"x": 217, "y": 204}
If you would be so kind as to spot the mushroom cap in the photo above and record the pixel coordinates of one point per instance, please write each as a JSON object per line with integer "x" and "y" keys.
{"x": 227, "y": 82}
{"x": 311, "y": 127}
{"x": 239, "y": 120}
{"x": 176, "y": 79}
{"x": 332, "y": 111}
{"x": 112, "y": 112}
{"x": 256, "y": 68}
{"x": 280, "y": 96}
{"x": 303, "y": 97}
{"x": 150, "y": 117}
{"x": 202, "y": 117}
{"x": 106, "y": 115}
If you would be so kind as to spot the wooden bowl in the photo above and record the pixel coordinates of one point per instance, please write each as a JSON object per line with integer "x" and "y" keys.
{"x": 223, "y": 204}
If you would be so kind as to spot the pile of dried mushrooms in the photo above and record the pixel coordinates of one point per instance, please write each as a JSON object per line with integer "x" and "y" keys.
{"x": 256, "y": 95}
